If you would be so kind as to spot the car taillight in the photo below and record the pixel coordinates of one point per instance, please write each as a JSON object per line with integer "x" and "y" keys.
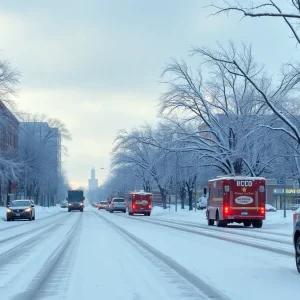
{"x": 112, "y": 203}
{"x": 294, "y": 218}
{"x": 150, "y": 206}
{"x": 262, "y": 210}
{"x": 133, "y": 205}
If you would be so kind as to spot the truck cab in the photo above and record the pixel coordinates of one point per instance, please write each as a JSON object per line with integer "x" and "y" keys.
{"x": 75, "y": 200}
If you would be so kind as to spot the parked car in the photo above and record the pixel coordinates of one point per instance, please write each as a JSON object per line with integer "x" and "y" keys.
{"x": 202, "y": 202}
{"x": 117, "y": 204}
{"x": 20, "y": 209}
{"x": 295, "y": 207}
{"x": 102, "y": 205}
{"x": 64, "y": 204}
{"x": 270, "y": 208}
{"x": 296, "y": 237}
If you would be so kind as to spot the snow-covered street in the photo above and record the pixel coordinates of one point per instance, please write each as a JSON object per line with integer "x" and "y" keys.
{"x": 97, "y": 255}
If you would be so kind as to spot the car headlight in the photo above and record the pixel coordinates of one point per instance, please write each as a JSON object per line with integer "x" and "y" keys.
{"x": 69, "y": 203}
{"x": 9, "y": 210}
{"x": 28, "y": 209}
{"x": 81, "y": 203}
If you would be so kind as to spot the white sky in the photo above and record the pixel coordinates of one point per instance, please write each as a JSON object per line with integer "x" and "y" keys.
{"x": 96, "y": 64}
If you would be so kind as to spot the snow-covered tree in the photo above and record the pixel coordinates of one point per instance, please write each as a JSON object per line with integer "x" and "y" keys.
{"x": 40, "y": 150}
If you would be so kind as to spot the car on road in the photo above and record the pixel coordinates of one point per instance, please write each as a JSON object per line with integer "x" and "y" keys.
{"x": 202, "y": 203}
{"x": 296, "y": 237}
{"x": 20, "y": 209}
{"x": 295, "y": 207}
{"x": 102, "y": 205}
{"x": 117, "y": 204}
{"x": 64, "y": 204}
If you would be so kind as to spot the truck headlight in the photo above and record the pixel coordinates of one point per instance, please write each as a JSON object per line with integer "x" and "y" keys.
{"x": 28, "y": 209}
{"x": 9, "y": 210}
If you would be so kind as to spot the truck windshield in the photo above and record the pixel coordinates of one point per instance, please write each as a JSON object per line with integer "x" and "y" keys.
{"x": 75, "y": 197}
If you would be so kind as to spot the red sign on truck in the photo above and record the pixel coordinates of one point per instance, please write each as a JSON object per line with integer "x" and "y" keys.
{"x": 236, "y": 200}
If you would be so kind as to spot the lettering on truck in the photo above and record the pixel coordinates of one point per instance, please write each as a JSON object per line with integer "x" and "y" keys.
{"x": 244, "y": 183}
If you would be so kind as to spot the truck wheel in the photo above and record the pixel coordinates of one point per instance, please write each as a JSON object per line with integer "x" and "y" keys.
{"x": 257, "y": 223}
{"x": 69, "y": 210}
{"x": 298, "y": 254}
{"x": 247, "y": 223}
{"x": 210, "y": 222}
{"x": 130, "y": 213}
{"x": 219, "y": 222}
{"x": 111, "y": 211}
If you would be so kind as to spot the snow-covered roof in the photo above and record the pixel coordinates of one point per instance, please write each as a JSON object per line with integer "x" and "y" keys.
{"x": 140, "y": 193}
{"x": 237, "y": 178}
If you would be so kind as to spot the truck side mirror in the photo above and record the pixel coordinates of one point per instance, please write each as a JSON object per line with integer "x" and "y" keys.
{"x": 7, "y": 205}
{"x": 83, "y": 198}
{"x": 67, "y": 198}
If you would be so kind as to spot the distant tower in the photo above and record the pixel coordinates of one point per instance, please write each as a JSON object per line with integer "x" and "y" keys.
{"x": 93, "y": 182}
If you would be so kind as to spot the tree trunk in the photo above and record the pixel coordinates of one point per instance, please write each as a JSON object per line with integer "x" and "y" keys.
{"x": 182, "y": 196}
{"x": 163, "y": 193}
{"x": 190, "y": 192}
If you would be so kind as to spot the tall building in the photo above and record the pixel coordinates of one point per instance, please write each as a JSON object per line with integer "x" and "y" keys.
{"x": 9, "y": 126}
{"x": 93, "y": 182}
{"x": 40, "y": 148}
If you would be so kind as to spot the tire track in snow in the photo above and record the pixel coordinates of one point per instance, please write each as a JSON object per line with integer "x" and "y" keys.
{"x": 258, "y": 243}
{"x": 205, "y": 291}
{"x": 34, "y": 230}
{"x": 24, "y": 223}
{"x": 53, "y": 272}
{"x": 226, "y": 231}
{"x": 16, "y": 252}
{"x": 245, "y": 229}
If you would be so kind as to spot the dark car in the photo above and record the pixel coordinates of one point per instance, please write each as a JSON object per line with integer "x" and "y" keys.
{"x": 20, "y": 209}
{"x": 295, "y": 207}
{"x": 296, "y": 237}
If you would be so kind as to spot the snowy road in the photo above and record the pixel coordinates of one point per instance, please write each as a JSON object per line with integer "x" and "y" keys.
{"x": 97, "y": 255}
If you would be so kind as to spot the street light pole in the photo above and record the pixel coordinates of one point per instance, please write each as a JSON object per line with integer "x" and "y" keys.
{"x": 284, "y": 197}
{"x": 176, "y": 182}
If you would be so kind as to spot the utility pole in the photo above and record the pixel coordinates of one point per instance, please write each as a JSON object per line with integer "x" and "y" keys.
{"x": 48, "y": 195}
{"x": 25, "y": 185}
{"x": 284, "y": 197}
{"x": 176, "y": 182}
{"x": 195, "y": 200}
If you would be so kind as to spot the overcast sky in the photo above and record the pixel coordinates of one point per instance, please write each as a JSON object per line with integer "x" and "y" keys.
{"x": 96, "y": 64}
